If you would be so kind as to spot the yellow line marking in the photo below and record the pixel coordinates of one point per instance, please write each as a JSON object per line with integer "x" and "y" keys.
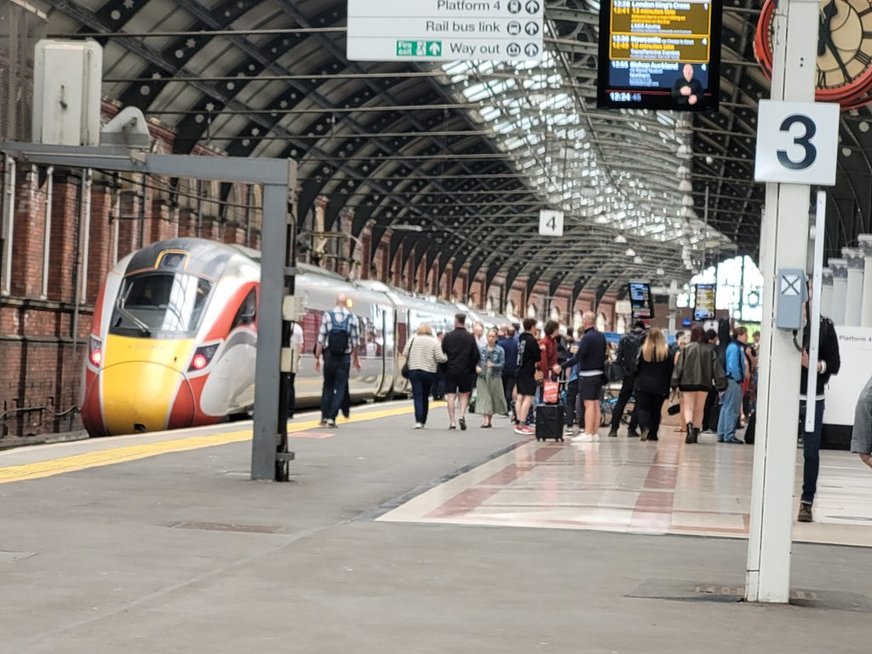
{"x": 112, "y": 455}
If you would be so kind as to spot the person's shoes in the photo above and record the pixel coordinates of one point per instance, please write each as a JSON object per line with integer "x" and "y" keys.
{"x": 331, "y": 424}
{"x": 323, "y": 422}
{"x": 526, "y": 431}
{"x": 418, "y": 425}
{"x": 804, "y": 512}
{"x": 450, "y": 427}
{"x": 644, "y": 435}
{"x": 653, "y": 438}
{"x": 485, "y": 425}
{"x": 568, "y": 431}
{"x": 632, "y": 433}
{"x": 462, "y": 423}
{"x": 689, "y": 438}
{"x": 613, "y": 433}
{"x": 721, "y": 439}
{"x": 735, "y": 441}
{"x": 520, "y": 429}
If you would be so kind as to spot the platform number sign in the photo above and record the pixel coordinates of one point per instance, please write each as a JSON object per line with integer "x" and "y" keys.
{"x": 550, "y": 223}
{"x": 797, "y": 142}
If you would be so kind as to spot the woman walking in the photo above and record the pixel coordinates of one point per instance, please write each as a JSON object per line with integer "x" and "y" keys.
{"x": 653, "y": 375}
{"x": 423, "y": 354}
{"x": 489, "y": 387}
{"x": 696, "y": 372}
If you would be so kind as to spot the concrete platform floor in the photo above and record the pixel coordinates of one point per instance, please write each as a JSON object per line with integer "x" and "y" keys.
{"x": 180, "y": 552}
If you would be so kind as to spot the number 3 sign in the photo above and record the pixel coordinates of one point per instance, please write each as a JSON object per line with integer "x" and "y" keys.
{"x": 797, "y": 142}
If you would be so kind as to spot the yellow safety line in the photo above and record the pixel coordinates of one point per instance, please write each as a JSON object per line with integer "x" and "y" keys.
{"x": 113, "y": 455}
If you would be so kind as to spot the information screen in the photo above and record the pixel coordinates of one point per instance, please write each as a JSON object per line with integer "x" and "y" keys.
{"x": 655, "y": 54}
{"x": 704, "y": 297}
{"x": 641, "y": 301}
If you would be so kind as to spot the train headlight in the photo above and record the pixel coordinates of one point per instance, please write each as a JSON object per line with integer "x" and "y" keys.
{"x": 202, "y": 357}
{"x": 95, "y": 351}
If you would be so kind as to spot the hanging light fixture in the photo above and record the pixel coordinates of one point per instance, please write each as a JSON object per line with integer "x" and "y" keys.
{"x": 638, "y": 259}
{"x": 661, "y": 272}
{"x": 620, "y": 238}
{"x": 685, "y": 186}
{"x": 630, "y": 252}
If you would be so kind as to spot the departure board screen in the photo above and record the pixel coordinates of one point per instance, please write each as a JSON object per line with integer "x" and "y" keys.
{"x": 655, "y": 54}
{"x": 641, "y": 300}
{"x": 704, "y": 302}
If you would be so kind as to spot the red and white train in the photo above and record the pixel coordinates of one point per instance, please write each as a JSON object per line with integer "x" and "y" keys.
{"x": 174, "y": 336}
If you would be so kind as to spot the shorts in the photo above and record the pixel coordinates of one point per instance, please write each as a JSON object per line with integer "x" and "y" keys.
{"x": 526, "y": 385}
{"x": 590, "y": 388}
{"x": 694, "y": 388}
{"x": 458, "y": 383}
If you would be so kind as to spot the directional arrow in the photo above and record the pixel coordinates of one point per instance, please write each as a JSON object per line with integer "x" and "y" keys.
{"x": 532, "y": 28}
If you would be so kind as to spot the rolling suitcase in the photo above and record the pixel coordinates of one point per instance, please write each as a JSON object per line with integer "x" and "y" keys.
{"x": 549, "y": 422}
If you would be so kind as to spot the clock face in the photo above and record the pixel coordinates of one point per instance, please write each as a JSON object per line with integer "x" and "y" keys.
{"x": 844, "y": 49}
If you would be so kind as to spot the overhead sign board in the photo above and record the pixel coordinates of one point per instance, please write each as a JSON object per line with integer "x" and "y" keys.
{"x": 445, "y": 30}
{"x": 655, "y": 54}
{"x": 797, "y": 142}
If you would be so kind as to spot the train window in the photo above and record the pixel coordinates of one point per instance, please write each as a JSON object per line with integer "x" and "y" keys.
{"x": 247, "y": 311}
{"x": 161, "y": 304}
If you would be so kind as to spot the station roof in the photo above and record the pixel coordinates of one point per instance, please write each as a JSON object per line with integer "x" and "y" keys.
{"x": 457, "y": 159}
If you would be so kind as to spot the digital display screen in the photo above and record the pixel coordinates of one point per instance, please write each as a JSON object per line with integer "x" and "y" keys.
{"x": 641, "y": 301}
{"x": 655, "y": 54}
{"x": 704, "y": 296}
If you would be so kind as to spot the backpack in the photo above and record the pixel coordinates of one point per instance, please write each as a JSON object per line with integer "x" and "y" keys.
{"x": 628, "y": 351}
{"x": 337, "y": 338}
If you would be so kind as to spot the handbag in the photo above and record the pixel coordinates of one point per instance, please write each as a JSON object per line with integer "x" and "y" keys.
{"x": 404, "y": 371}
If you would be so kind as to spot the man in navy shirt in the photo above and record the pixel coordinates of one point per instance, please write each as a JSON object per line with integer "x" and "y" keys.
{"x": 590, "y": 360}
{"x": 510, "y": 370}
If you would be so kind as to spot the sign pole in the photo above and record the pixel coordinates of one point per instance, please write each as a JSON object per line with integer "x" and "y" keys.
{"x": 783, "y": 244}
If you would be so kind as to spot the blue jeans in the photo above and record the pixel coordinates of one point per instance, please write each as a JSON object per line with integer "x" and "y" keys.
{"x": 811, "y": 449}
{"x": 336, "y": 370}
{"x": 729, "y": 416}
{"x": 422, "y": 382}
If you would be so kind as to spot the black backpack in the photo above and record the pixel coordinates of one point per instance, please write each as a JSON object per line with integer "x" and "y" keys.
{"x": 337, "y": 338}
{"x": 628, "y": 351}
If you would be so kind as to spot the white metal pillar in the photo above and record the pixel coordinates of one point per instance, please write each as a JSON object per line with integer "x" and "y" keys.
{"x": 840, "y": 290}
{"x": 865, "y": 241}
{"x": 854, "y": 295}
{"x": 783, "y": 244}
{"x": 826, "y": 292}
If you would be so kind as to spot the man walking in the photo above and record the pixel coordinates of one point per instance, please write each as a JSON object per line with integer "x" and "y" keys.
{"x": 626, "y": 359}
{"x": 828, "y": 364}
{"x": 736, "y": 370}
{"x": 337, "y": 340}
{"x": 463, "y": 355}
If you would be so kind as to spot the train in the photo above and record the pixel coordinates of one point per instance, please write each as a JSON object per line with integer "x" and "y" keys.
{"x": 174, "y": 335}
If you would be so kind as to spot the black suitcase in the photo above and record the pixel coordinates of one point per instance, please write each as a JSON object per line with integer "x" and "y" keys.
{"x": 549, "y": 422}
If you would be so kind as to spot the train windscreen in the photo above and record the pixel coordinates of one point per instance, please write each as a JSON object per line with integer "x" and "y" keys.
{"x": 168, "y": 305}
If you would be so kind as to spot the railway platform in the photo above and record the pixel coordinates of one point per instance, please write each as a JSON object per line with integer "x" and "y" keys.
{"x": 390, "y": 539}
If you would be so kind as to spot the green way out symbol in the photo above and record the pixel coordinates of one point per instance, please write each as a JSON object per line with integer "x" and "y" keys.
{"x": 434, "y": 48}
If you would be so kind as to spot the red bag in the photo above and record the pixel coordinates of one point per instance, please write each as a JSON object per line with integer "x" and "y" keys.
{"x": 550, "y": 392}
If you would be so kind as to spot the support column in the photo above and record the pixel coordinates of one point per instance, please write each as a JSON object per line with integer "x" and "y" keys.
{"x": 854, "y": 295}
{"x": 783, "y": 244}
{"x": 866, "y": 248}
{"x": 840, "y": 290}
{"x": 826, "y": 292}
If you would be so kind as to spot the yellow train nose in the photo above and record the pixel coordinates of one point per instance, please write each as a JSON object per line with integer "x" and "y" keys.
{"x": 141, "y": 396}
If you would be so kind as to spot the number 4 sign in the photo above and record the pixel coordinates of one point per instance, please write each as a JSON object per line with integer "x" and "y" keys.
{"x": 550, "y": 223}
{"x": 797, "y": 142}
